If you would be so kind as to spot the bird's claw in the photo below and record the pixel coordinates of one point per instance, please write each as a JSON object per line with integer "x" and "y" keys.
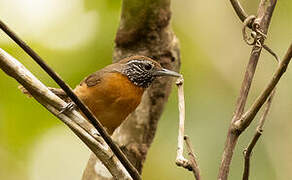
{"x": 69, "y": 107}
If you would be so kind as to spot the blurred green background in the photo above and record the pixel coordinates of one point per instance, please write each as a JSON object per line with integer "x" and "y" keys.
{"x": 76, "y": 38}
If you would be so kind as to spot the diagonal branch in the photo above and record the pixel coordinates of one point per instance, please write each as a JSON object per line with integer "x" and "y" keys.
{"x": 251, "y": 113}
{"x": 73, "y": 119}
{"x": 258, "y": 133}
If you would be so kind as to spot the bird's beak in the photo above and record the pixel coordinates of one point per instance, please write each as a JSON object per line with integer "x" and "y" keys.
{"x": 166, "y": 72}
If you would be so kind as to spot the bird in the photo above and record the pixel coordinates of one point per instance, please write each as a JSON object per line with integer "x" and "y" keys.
{"x": 115, "y": 91}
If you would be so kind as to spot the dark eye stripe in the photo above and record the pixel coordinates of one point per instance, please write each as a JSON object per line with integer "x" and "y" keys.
{"x": 139, "y": 73}
{"x": 140, "y": 66}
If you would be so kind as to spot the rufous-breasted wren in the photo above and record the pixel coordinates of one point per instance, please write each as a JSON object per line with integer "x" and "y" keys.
{"x": 115, "y": 91}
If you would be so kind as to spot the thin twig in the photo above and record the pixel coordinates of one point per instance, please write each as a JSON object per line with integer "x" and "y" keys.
{"x": 73, "y": 119}
{"x": 189, "y": 163}
{"x": 265, "y": 11}
{"x": 117, "y": 151}
{"x": 180, "y": 160}
{"x": 266, "y": 111}
{"x": 267, "y": 48}
{"x": 259, "y": 130}
{"x": 192, "y": 158}
{"x": 239, "y": 10}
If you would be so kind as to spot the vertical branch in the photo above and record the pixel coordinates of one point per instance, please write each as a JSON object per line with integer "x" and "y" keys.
{"x": 145, "y": 30}
{"x": 264, "y": 15}
{"x": 181, "y": 128}
{"x": 187, "y": 163}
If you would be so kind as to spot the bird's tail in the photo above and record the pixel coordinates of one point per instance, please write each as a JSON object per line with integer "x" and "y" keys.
{"x": 59, "y": 92}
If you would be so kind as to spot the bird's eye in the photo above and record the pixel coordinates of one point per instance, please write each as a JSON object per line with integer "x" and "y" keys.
{"x": 148, "y": 67}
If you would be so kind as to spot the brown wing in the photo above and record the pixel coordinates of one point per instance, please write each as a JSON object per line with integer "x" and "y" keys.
{"x": 92, "y": 79}
{"x": 95, "y": 78}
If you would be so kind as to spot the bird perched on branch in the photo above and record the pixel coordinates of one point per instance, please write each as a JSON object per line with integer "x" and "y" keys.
{"x": 115, "y": 91}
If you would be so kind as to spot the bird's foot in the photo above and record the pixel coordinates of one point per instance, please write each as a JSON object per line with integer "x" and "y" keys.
{"x": 69, "y": 107}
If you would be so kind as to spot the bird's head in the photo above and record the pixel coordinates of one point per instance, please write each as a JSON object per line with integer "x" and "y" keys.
{"x": 142, "y": 70}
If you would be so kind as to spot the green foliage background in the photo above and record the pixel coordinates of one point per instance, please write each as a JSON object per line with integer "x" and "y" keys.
{"x": 35, "y": 145}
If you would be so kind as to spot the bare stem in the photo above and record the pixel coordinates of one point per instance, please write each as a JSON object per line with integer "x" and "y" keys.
{"x": 264, "y": 15}
{"x": 180, "y": 160}
{"x": 189, "y": 163}
{"x": 192, "y": 158}
{"x": 266, "y": 111}
{"x": 258, "y": 133}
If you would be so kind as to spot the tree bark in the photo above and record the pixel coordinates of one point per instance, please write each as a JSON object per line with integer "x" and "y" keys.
{"x": 144, "y": 30}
